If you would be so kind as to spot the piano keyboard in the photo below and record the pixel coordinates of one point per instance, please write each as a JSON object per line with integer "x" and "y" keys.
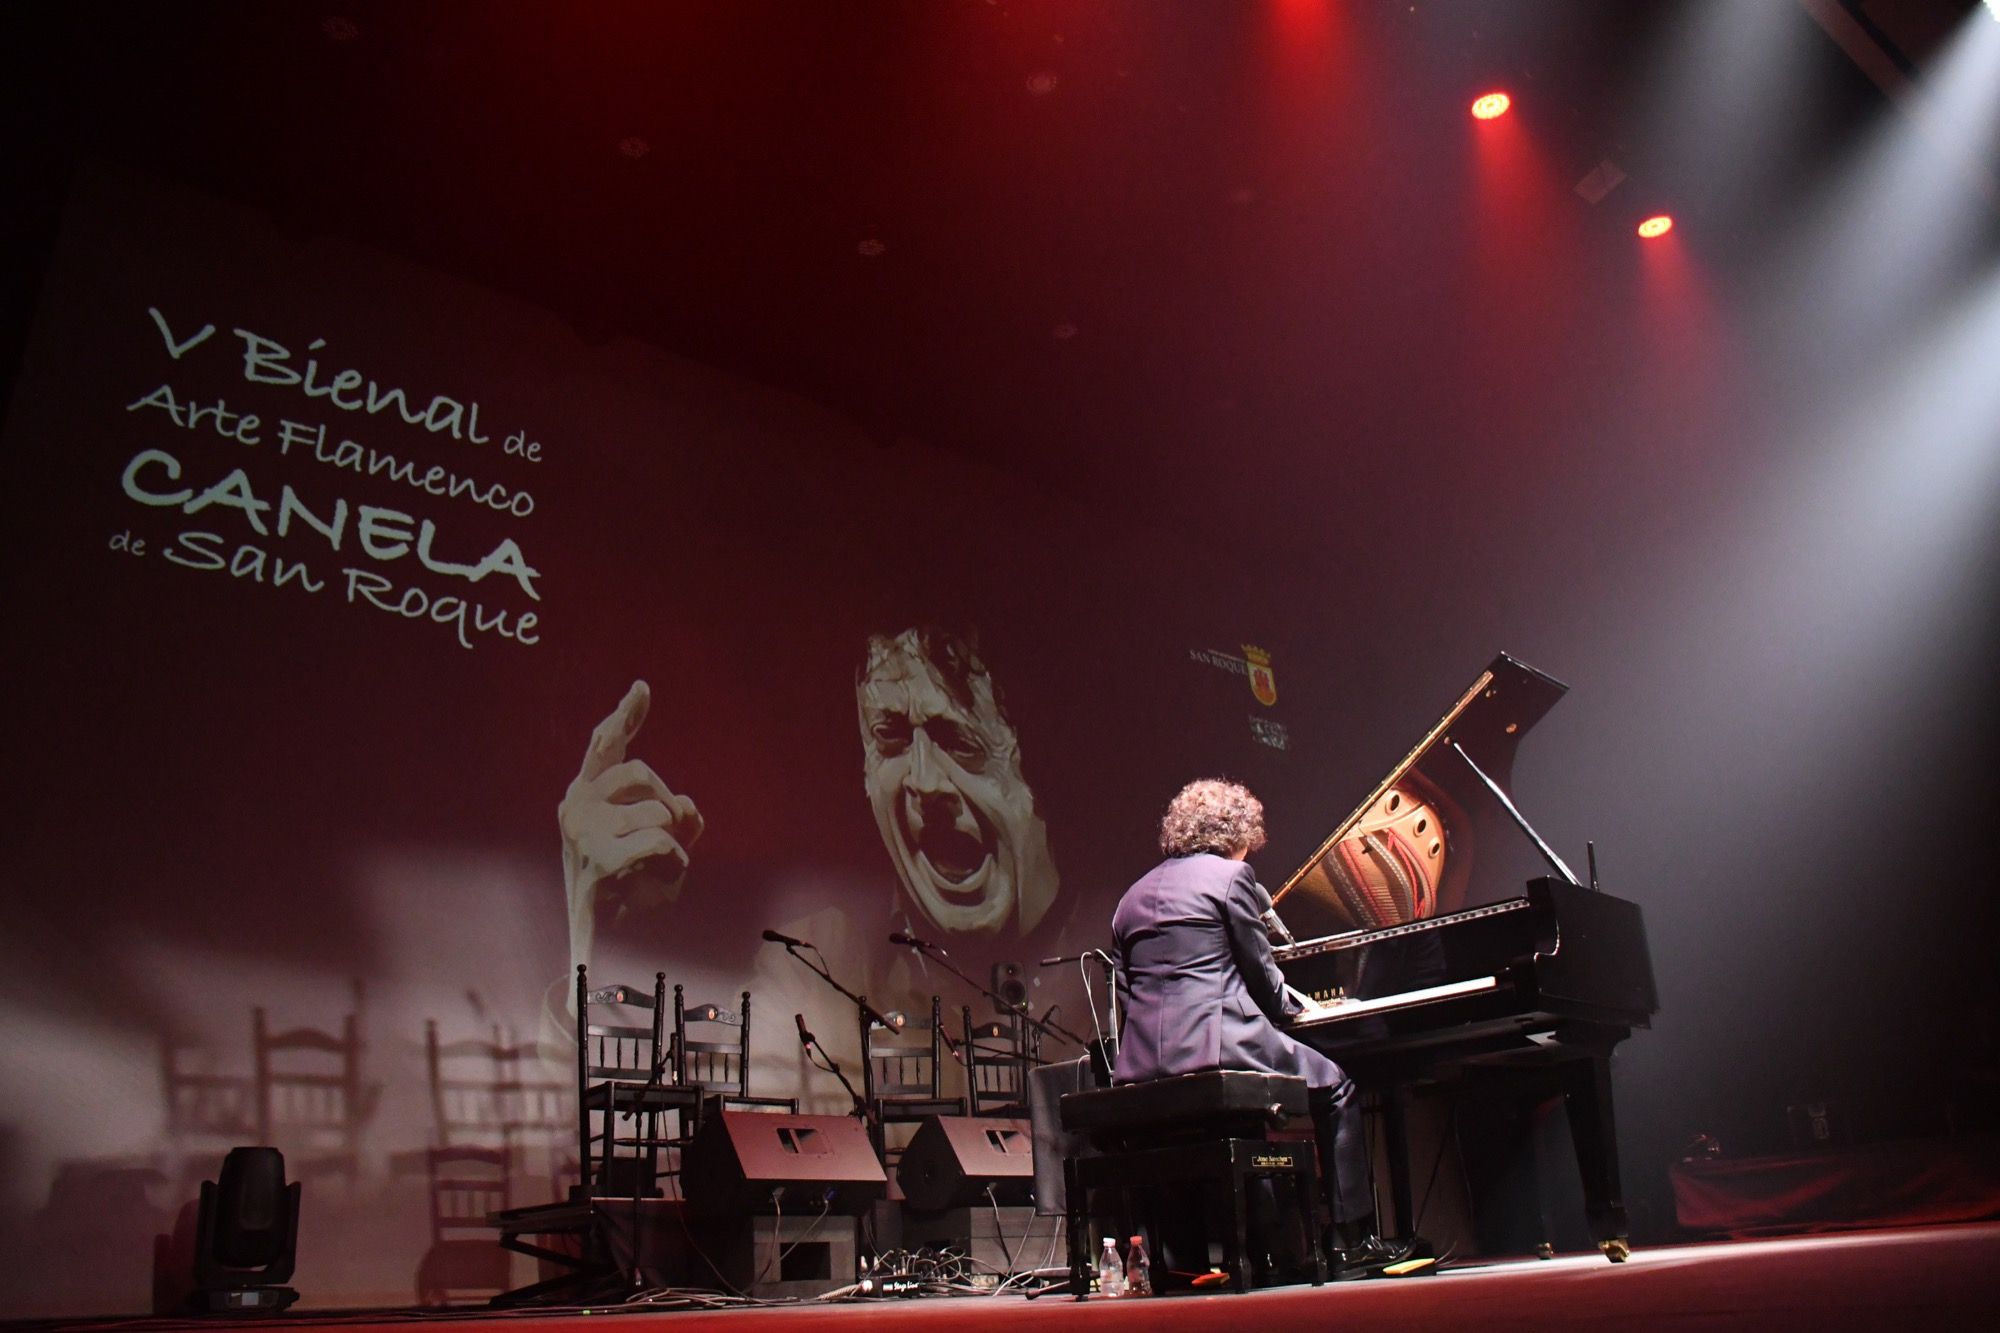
{"x": 1409, "y": 999}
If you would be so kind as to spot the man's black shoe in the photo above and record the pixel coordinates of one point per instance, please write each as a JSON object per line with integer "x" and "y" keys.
{"x": 1367, "y": 1257}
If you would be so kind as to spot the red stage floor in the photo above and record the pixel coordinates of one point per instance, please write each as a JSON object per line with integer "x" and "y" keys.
{"x": 1935, "y": 1277}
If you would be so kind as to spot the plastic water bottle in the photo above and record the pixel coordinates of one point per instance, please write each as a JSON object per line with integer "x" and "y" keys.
{"x": 1110, "y": 1271}
{"x": 1138, "y": 1269}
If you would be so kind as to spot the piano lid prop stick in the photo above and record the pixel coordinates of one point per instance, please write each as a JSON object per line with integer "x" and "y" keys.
{"x": 1548, "y": 852}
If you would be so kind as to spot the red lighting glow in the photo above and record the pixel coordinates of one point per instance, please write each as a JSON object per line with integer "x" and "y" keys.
{"x": 1658, "y": 225}
{"x": 1490, "y": 106}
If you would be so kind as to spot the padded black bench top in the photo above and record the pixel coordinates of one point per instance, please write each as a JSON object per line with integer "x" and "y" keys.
{"x": 1229, "y": 1100}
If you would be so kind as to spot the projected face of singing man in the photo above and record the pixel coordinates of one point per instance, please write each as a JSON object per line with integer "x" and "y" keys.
{"x": 943, "y": 772}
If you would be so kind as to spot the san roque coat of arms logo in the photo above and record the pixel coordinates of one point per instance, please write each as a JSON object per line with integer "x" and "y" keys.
{"x": 1262, "y": 683}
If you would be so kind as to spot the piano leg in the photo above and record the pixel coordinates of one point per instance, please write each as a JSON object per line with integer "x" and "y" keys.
{"x": 1586, "y": 1088}
{"x": 1396, "y": 1138}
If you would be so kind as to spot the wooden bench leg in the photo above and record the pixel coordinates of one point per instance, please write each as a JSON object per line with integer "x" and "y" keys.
{"x": 1076, "y": 1221}
{"x": 1239, "y": 1229}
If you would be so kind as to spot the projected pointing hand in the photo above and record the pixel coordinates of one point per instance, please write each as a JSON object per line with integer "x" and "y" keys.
{"x": 625, "y": 833}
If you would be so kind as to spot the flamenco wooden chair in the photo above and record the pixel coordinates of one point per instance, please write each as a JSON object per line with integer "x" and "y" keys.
{"x": 902, "y": 1075}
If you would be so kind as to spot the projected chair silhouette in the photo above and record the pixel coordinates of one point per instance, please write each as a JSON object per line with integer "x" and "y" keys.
{"x": 471, "y": 1080}
{"x": 202, "y": 1104}
{"x": 996, "y": 1067}
{"x": 536, "y": 1108}
{"x": 902, "y": 1075}
{"x": 625, "y": 1088}
{"x": 310, "y": 1097}
{"x": 467, "y": 1185}
{"x": 489, "y": 1092}
{"x": 207, "y": 1112}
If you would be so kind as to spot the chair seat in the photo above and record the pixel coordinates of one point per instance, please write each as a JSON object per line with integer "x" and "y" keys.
{"x": 730, "y": 1101}
{"x": 640, "y": 1097}
{"x": 557, "y": 1217}
{"x": 907, "y": 1110}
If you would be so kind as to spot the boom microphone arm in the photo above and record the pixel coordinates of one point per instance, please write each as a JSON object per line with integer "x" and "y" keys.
{"x": 1046, "y": 1027}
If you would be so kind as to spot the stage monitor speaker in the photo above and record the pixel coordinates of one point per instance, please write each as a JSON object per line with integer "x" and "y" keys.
{"x": 744, "y": 1162}
{"x": 953, "y": 1159}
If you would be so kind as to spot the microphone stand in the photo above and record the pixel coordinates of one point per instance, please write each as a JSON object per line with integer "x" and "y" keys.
{"x": 1103, "y": 1050}
{"x": 832, "y": 1066}
{"x": 1042, "y": 1025}
{"x": 869, "y": 1014}
{"x": 1107, "y": 1050}
{"x": 868, "y": 1011}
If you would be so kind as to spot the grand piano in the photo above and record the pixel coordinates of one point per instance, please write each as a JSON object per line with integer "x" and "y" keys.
{"x": 1411, "y": 919}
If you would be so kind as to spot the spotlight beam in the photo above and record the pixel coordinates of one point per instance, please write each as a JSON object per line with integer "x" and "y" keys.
{"x": 1882, "y": 69}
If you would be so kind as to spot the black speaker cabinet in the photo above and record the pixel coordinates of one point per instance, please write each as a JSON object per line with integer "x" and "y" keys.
{"x": 952, "y": 1160}
{"x": 744, "y": 1162}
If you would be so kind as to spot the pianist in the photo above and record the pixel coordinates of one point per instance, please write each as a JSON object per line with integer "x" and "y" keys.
{"x": 1200, "y": 989}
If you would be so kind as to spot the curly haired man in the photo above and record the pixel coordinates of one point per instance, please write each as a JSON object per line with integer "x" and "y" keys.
{"x": 1201, "y": 989}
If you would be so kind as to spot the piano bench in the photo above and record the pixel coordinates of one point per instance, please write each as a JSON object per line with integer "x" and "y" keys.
{"x": 1201, "y": 1137}
{"x": 1189, "y": 1108}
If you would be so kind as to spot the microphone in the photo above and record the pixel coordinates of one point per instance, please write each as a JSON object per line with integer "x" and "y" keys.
{"x": 1275, "y": 927}
{"x": 775, "y": 938}
{"x": 806, "y": 1039}
{"x": 908, "y": 941}
{"x": 952, "y": 1047}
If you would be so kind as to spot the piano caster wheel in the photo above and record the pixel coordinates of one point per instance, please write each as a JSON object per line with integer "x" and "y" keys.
{"x": 1618, "y": 1249}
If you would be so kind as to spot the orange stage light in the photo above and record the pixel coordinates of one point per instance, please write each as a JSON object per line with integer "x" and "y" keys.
{"x": 1491, "y": 105}
{"x": 1657, "y": 225}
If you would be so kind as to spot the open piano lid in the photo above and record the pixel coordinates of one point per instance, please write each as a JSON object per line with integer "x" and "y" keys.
{"x": 1433, "y": 838}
